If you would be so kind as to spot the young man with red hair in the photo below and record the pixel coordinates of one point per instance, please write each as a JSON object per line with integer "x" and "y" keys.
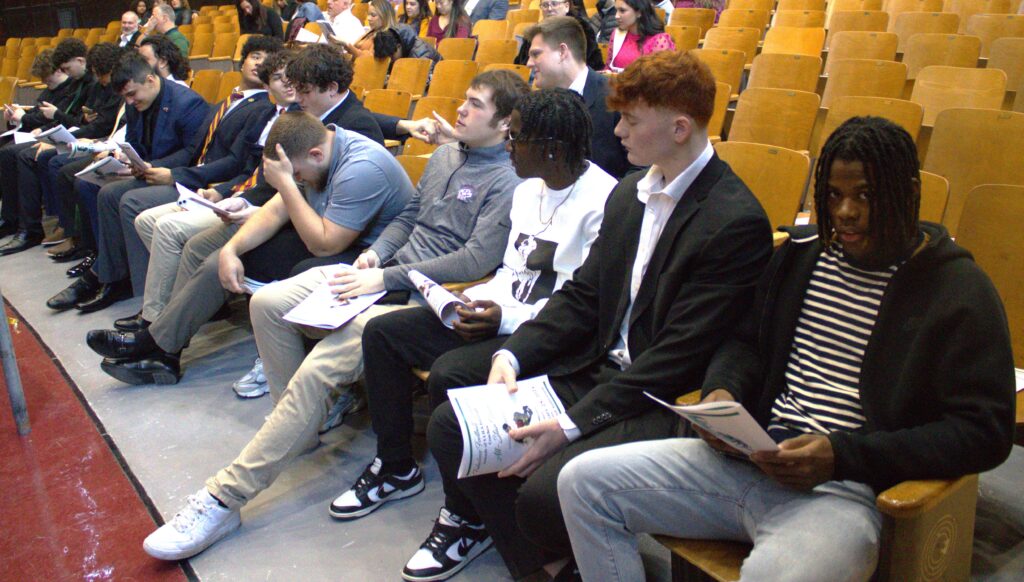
{"x": 675, "y": 263}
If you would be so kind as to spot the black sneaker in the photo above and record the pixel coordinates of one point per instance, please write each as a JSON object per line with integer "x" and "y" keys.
{"x": 374, "y": 489}
{"x": 452, "y": 544}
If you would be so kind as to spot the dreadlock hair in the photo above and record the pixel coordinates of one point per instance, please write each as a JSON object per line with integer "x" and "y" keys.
{"x": 889, "y": 156}
{"x": 386, "y": 44}
{"x": 560, "y": 118}
{"x": 102, "y": 58}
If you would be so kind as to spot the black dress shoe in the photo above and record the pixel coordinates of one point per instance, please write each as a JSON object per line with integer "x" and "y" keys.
{"x": 107, "y": 295}
{"x": 133, "y": 323}
{"x": 157, "y": 368}
{"x": 22, "y": 241}
{"x": 111, "y": 343}
{"x": 82, "y": 289}
{"x": 80, "y": 269}
{"x": 72, "y": 254}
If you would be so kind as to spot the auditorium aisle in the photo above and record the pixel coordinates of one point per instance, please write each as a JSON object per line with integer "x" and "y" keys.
{"x": 76, "y": 515}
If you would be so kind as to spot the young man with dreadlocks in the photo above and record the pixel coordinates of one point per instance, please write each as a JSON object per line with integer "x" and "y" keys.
{"x": 876, "y": 352}
{"x": 555, "y": 217}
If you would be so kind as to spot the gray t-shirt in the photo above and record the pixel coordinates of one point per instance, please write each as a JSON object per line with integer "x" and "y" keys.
{"x": 366, "y": 186}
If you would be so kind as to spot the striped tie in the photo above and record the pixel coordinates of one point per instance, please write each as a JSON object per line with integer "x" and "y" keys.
{"x": 224, "y": 106}
{"x": 251, "y": 181}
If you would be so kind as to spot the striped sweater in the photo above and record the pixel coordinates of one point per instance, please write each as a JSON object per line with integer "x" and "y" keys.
{"x": 836, "y": 318}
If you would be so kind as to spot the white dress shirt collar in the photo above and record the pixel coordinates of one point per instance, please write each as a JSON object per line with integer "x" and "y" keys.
{"x": 654, "y": 181}
{"x": 580, "y": 81}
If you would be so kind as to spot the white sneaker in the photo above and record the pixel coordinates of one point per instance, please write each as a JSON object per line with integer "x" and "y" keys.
{"x": 253, "y": 384}
{"x": 193, "y": 529}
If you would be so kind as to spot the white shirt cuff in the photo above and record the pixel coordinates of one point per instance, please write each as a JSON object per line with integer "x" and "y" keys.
{"x": 568, "y": 427}
{"x": 511, "y": 359}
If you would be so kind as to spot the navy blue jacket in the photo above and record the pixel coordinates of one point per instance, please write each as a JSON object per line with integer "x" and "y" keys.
{"x": 235, "y": 136}
{"x": 181, "y": 117}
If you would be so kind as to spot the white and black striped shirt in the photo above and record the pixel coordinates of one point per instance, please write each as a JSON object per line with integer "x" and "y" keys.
{"x": 823, "y": 372}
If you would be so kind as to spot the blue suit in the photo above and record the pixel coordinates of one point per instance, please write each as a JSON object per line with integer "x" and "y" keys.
{"x": 489, "y": 10}
{"x": 181, "y": 116}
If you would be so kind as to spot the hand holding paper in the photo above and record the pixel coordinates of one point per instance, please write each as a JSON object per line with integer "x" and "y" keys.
{"x": 803, "y": 462}
{"x": 189, "y": 200}
{"x": 355, "y": 282}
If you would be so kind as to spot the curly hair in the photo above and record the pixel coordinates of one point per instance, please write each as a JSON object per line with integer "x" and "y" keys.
{"x": 320, "y": 65}
{"x": 166, "y": 50}
{"x": 273, "y": 63}
{"x": 889, "y": 157}
{"x": 69, "y": 48}
{"x": 671, "y": 79}
{"x": 103, "y": 57}
{"x": 560, "y": 118}
{"x": 259, "y": 42}
{"x": 43, "y": 66}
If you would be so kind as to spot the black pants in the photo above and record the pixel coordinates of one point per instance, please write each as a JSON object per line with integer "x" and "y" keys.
{"x": 523, "y": 516}
{"x": 395, "y": 343}
{"x": 64, "y": 186}
{"x": 9, "y": 203}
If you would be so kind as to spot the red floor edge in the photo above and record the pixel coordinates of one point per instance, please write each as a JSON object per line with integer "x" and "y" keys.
{"x": 68, "y": 510}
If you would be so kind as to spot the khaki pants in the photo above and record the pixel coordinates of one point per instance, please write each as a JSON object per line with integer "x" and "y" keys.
{"x": 300, "y": 384}
{"x": 164, "y": 230}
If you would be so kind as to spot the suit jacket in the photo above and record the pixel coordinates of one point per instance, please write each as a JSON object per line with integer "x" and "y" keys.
{"x": 351, "y": 115}
{"x": 132, "y": 40}
{"x": 489, "y": 10}
{"x": 181, "y": 116}
{"x": 699, "y": 282}
{"x": 605, "y": 148}
{"x": 231, "y": 143}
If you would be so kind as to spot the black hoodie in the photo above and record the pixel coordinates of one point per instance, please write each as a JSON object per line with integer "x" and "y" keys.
{"x": 937, "y": 379}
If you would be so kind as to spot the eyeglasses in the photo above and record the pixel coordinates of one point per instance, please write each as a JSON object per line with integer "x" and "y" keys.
{"x": 551, "y": 5}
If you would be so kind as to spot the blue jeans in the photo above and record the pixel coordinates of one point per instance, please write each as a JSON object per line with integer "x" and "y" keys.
{"x": 683, "y": 488}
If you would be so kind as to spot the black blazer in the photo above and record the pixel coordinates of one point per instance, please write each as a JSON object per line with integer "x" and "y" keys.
{"x": 699, "y": 282}
{"x": 231, "y": 143}
{"x": 605, "y": 148}
{"x": 351, "y": 115}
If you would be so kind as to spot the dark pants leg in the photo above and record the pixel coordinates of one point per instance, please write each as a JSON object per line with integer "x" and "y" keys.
{"x": 81, "y": 195}
{"x": 523, "y": 517}
{"x": 392, "y": 345}
{"x": 9, "y": 181}
{"x": 111, "y": 258}
{"x": 50, "y": 198}
{"x": 30, "y": 191}
{"x": 461, "y": 367}
{"x": 134, "y": 203}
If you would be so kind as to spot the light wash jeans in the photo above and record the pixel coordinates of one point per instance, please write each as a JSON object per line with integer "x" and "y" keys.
{"x": 683, "y": 488}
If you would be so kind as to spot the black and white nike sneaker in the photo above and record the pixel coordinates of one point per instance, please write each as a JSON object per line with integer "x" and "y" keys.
{"x": 373, "y": 489}
{"x": 452, "y": 544}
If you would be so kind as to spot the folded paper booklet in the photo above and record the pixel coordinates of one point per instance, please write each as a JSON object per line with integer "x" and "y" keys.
{"x": 441, "y": 300}
{"x": 190, "y": 200}
{"x": 58, "y": 136}
{"x": 104, "y": 172}
{"x": 324, "y": 310}
{"x": 252, "y": 285}
{"x": 307, "y": 36}
{"x": 728, "y": 421}
{"x": 325, "y": 27}
{"x": 1020, "y": 378}
{"x": 487, "y": 413}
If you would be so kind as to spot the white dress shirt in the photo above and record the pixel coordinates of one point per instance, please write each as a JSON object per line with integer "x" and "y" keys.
{"x": 659, "y": 201}
{"x": 347, "y": 27}
{"x": 579, "y": 82}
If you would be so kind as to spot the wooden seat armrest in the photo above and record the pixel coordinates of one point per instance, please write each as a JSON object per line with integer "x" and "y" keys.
{"x": 689, "y": 398}
{"x": 912, "y": 498}
{"x": 461, "y": 286}
{"x": 215, "y": 59}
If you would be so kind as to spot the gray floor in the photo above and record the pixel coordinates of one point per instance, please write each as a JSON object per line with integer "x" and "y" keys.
{"x": 174, "y": 437}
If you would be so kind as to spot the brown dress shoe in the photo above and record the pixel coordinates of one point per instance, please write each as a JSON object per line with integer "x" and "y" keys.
{"x": 67, "y": 245}
{"x": 54, "y": 238}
